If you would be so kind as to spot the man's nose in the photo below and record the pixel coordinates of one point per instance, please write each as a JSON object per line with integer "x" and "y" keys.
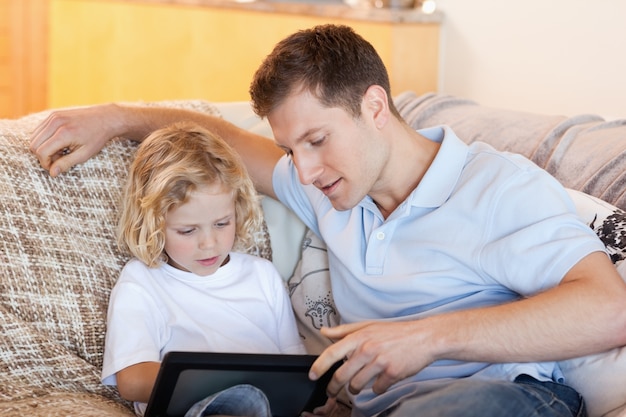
{"x": 308, "y": 169}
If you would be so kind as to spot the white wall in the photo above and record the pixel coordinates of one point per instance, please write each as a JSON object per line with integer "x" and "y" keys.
{"x": 549, "y": 56}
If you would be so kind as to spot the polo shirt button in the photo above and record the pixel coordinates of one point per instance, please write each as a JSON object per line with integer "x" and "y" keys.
{"x": 380, "y": 235}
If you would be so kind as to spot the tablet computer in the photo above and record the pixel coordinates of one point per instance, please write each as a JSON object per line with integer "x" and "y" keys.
{"x": 187, "y": 377}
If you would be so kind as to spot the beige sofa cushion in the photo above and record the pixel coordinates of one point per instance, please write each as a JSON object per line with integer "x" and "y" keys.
{"x": 65, "y": 404}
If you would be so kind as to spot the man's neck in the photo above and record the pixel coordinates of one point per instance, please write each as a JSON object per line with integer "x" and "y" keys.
{"x": 411, "y": 157}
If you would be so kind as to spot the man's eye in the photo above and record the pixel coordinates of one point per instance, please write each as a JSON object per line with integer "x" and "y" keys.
{"x": 318, "y": 142}
{"x": 286, "y": 150}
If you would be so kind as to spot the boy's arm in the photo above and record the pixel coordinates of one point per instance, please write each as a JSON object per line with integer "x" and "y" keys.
{"x": 135, "y": 382}
{"x": 70, "y": 137}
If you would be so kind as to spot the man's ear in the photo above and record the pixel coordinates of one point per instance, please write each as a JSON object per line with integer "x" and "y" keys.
{"x": 375, "y": 105}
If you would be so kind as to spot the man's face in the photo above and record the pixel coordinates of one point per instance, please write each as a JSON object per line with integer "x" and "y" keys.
{"x": 340, "y": 155}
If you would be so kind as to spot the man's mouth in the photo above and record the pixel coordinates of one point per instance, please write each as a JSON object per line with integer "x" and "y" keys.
{"x": 328, "y": 189}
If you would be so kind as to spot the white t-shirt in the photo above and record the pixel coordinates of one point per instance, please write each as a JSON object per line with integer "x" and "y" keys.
{"x": 243, "y": 307}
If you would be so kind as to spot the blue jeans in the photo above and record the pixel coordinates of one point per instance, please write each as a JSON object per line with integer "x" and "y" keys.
{"x": 525, "y": 397}
{"x": 240, "y": 400}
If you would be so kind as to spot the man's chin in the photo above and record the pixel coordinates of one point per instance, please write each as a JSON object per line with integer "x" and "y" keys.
{"x": 341, "y": 205}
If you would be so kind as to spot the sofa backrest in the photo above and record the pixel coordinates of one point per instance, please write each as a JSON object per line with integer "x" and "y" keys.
{"x": 583, "y": 152}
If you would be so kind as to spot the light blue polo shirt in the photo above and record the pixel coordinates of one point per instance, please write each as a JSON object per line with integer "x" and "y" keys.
{"x": 483, "y": 227}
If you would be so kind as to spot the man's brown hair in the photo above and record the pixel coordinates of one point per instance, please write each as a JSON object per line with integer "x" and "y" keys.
{"x": 332, "y": 62}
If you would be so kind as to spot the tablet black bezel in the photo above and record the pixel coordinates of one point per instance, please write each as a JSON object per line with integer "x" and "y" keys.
{"x": 176, "y": 362}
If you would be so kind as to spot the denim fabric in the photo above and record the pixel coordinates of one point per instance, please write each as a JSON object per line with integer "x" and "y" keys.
{"x": 240, "y": 400}
{"x": 526, "y": 397}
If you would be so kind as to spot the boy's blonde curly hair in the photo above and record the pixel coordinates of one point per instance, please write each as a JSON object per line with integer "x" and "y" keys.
{"x": 171, "y": 163}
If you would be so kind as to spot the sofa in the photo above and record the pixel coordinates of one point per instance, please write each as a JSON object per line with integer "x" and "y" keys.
{"x": 59, "y": 259}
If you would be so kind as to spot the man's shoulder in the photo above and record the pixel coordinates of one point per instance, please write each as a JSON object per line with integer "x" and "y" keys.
{"x": 483, "y": 151}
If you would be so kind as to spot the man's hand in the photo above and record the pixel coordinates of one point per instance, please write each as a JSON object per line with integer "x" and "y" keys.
{"x": 70, "y": 137}
{"x": 373, "y": 351}
{"x": 324, "y": 410}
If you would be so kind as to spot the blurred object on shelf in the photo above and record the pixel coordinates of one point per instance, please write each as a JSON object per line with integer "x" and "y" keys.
{"x": 427, "y": 6}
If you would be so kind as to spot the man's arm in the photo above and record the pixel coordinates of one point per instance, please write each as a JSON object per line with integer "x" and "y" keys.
{"x": 584, "y": 314}
{"x": 70, "y": 137}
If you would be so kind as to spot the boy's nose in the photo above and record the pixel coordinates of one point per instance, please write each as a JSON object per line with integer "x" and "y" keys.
{"x": 206, "y": 241}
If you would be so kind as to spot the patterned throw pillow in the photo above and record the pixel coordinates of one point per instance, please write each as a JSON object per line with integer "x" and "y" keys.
{"x": 311, "y": 295}
{"x": 608, "y": 221}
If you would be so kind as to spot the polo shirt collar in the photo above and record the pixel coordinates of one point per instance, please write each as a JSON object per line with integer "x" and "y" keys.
{"x": 444, "y": 172}
{"x": 442, "y": 175}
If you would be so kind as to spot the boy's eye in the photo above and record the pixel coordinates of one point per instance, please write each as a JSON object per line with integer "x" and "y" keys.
{"x": 185, "y": 231}
{"x": 222, "y": 224}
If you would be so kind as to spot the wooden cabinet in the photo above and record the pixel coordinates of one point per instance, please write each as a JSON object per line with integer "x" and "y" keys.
{"x": 23, "y": 71}
{"x": 110, "y": 51}
{"x": 107, "y": 50}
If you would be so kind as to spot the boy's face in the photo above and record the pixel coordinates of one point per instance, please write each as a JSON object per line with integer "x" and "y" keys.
{"x": 200, "y": 233}
{"x": 340, "y": 155}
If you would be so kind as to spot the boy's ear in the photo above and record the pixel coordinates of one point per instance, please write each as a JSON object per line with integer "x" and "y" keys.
{"x": 375, "y": 105}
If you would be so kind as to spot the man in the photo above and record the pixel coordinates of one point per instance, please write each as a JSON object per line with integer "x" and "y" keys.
{"x": 462, "y": 273}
